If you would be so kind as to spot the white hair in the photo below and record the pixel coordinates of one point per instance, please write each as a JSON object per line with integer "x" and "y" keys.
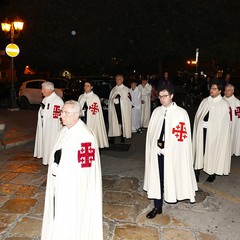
{"x": 74, "y": 105}
{"x": 48, "y": 85}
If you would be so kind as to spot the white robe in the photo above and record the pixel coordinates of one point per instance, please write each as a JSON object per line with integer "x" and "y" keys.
{"x": 73, "y": 201}
{"x": 95, "y": 117}
{"x": 235, "y": 134}
{"x": 179, "y": 179}
{"x": 146, "y": 105}
{"x": 126, "y": 111}
{"x": 48, "y": 127}
{"x": 217, "y": 157}
{"x": 136, "y": 109}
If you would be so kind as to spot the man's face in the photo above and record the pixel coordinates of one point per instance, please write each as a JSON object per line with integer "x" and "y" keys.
{"x": 166, "y": 75}
{"x": 165, "y": 98}
{"x": 228, "y": 92}
{"x": 87, "y": 87}
{"x": 69, "y": 116}
{"x": 214, "y": 91}
{"x": 119, "y": 80}
{"x": 133, "y": 85}
{"x": 46, "y": 91}
{"x": 227, "y": 77}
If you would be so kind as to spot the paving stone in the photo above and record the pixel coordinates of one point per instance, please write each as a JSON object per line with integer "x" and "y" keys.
{"x": 140, "y": 199}
{"x": 29, "y": 179}
{"x": 18, "y": 238}
{"x": 3, "y": 199}
{"x": 105, "y": 230}
{"x": 205, "y": 236}
{"x": 32, "y": 167}
{"x": 177, "y": 223}
{"x": 109, "y": 183}
{"x": 2, "y": 174}
{"x": 117, "y": 197}
{"x": 24, "y": 157}
{"x": 27, "y": 227}
{"x": 37, "y": 210}
{"x": 130, "y": 232}
{"x": 128, "y": 184}
{"x": 10, "y": 165}
{"x": 26, "y": 191}
{"x": 159, "y": 220}
{"x": 6, "y": 221}
{"x": 117, "y": 212}
{"x": 177, "y": 234}
{"x": 8, "y": 189}
{"x": 18, "y": 205}
{"x": 8, "y": 177}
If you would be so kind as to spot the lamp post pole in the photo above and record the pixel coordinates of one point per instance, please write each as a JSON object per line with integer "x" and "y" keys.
{"x": 12, "y": 50}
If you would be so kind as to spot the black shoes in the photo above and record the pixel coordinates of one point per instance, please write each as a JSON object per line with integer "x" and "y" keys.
{"x": 211, "y": 178}
{"x": 154, "y": 212}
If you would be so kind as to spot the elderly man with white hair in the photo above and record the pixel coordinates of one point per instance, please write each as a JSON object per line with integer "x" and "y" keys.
{"x": 73, "y": 201}
{"x": 235, "y": 114}
{"x": 49, "y": 122}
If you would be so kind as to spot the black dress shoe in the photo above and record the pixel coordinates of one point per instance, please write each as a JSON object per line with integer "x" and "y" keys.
{"x": 211, "y": 178}
{"x": 122, "y": 139}
{"x": 154, "y": 212}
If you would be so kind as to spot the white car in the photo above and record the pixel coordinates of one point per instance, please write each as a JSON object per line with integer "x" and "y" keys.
{"x": 30, "y": 91}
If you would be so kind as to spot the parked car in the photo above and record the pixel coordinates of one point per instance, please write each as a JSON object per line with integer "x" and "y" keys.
{"x": 101, "y": 86}
{"x": 30, "y": 91}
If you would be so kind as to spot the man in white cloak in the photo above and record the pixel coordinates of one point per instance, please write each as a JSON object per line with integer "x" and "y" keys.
{"x": 212, "y": 135}
{"x": 49, "y": 123}
{"x": 235, "y": 107}
{"x": 119, "y": 111}
{"x": 169, "y": 173}
{"x": 136, "y": 107}
{"x": 92, "y": 114}
{"x": 145, "y": 89}
{"x": 73, "y": 200}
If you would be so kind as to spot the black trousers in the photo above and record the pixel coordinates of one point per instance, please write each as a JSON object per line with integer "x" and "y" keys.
{"x": 159, "y": 202}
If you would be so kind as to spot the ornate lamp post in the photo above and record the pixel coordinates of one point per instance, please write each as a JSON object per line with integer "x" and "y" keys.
{"x": 12, "y": 30}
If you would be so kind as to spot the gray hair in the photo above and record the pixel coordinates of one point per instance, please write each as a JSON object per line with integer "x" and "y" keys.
{"x": 48, "y": 85}
{"x": 229, "y": 86}
{"x": 76, "y": 107}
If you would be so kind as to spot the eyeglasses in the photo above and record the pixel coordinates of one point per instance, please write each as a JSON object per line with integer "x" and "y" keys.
{"x": 66, "y": 113}
{"x": 163, "y": 96}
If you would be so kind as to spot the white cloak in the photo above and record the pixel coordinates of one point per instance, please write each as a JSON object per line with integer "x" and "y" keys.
{"x": 136, "y": 109}
{"x": 95, "y": 117}
{"x": 146, "y": 105}
{"x": 235, "y": 133}
{"x": 217, "y": 157}
{"x": 48, "y": 126}
{"x": 126, "y": 110}
{"x": 73, "y": 201}
{"x": 179, "y": 178}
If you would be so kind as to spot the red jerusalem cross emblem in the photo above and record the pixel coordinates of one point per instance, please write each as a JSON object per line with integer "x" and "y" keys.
{"x": 56, "y": 111}
{"x": 237, "y": 112}
{"x": 94, "y": 108}
{"x": 86, "y": 155}
{"x": 180, "y": 131}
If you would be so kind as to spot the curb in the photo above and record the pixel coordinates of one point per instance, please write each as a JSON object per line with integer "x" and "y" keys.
{"x": 19, "y": 142}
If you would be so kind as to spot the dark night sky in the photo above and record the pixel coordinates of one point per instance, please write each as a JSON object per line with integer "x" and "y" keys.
{"x": 137, "y": 33}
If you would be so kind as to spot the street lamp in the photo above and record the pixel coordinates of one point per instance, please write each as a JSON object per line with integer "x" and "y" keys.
{"x": 12, "y": 30}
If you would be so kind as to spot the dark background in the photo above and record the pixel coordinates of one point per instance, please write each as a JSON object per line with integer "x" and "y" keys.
{"x": 122, "y": 35}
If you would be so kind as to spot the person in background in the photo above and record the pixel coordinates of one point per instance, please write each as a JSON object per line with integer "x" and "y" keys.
{"x": 169, "y": 173}
{"x": 49, "y": 123}
{"x": 212, "y": 135}
{"x": 136, "y": 107}
{"x": 73, "y": 200}
{"x": 92, "y": 114}
{"x": 145, "y": 88}
{"x": 119, "y": 111}
{"x": 235, "y": 115}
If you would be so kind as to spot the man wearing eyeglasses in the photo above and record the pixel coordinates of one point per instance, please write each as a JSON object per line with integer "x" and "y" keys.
{"x": 169, "y": 173}
{"x": 73, "y": 201}
{"x": 49, "y": 123}
{"x": 212, "y": 135}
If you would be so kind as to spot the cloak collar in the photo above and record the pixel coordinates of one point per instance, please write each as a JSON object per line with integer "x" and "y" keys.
{"x": 214, "y": 100}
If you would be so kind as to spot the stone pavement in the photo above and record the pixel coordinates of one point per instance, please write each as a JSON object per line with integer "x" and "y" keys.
{"x": 214, "y": 216}
{"x": 22, "y": 190}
